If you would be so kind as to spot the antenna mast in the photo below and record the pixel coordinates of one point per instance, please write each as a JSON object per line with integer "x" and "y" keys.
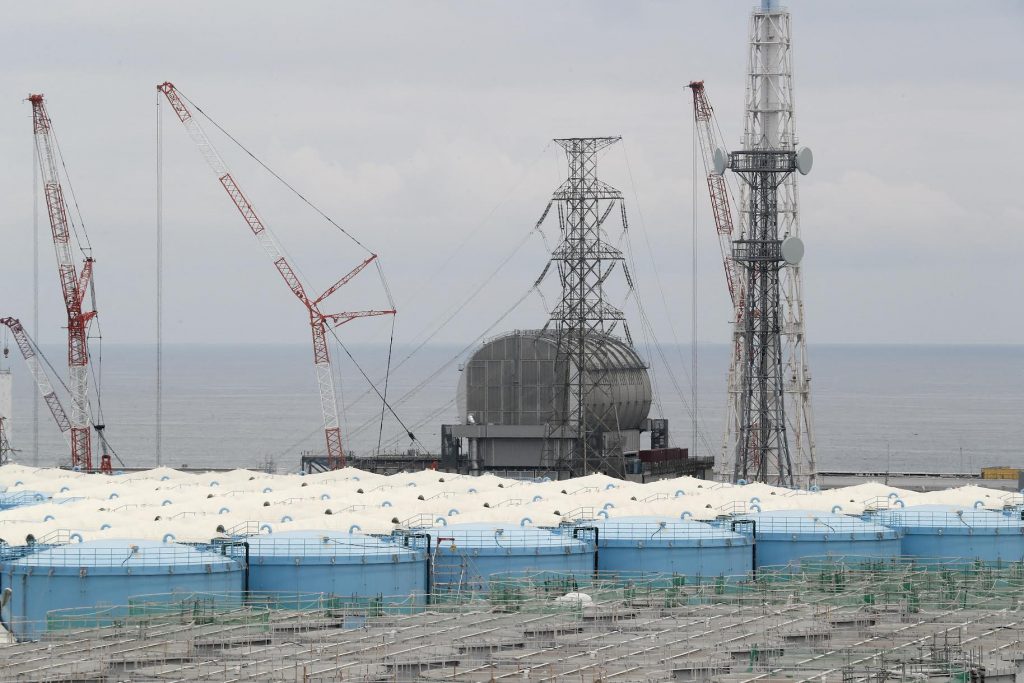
{"x": 769, "y": 126}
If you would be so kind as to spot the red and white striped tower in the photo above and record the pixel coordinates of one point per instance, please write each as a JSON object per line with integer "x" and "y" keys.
{"x": 74, "y": 286}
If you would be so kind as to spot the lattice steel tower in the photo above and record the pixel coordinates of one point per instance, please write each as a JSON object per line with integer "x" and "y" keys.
{"x": 583, "y": 319}
{"x": 769, "y": 125}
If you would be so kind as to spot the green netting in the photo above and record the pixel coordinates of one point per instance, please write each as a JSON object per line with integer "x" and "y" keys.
{"x": 908, "y": 586}
{"x": 169, "y": 609}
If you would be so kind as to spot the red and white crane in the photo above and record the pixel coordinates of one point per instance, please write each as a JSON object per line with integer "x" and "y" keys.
{"x": 721, "y": 206}
{"x": 318, "y": 320}
{"x": 74, "y": 286}
{"x": 703, "y": 116}
{"x": 28, "y": 352}
{"x": 32, "y": 355}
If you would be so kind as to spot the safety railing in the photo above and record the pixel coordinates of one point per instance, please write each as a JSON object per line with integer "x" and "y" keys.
{"x": 270, "y": 545}
{"x": 655, "y": 531}
{"x": 977, "y": 520}
{"x": 127, "y": 556}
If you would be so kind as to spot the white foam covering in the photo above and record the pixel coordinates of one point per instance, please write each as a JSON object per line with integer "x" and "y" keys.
{"x": 191, "y": 506}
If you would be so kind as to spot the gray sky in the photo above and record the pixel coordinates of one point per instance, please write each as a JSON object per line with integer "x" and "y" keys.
{"x": 424, "y": 128}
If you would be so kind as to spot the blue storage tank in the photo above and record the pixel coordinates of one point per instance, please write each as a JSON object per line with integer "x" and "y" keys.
{"x": 783, "y": 537}
{"x": 465, "y": 556}
{"x": 632, "y": 546}
{"x": 348, "y": 566}
{"x": 945, "y": 532}
{"x": 107, "y": 572}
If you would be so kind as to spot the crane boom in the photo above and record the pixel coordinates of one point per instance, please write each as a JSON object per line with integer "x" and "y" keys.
{"x": 318, "y": 320}
{"x": 28, "y": 352}
{"x": 74, "y": 286}
{"x": 703, "y": 115}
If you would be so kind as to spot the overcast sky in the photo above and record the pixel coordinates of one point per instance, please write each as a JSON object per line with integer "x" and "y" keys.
{"x": 424, "y": 128}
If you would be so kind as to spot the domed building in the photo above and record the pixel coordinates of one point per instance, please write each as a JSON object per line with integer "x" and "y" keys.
{"x": 514, "y": 394}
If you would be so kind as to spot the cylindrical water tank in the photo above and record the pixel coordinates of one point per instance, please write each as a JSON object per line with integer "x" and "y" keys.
{"x": 633, "y": 546}
{"x": 107, "y": 572}
{"x": 466, "y": 556}
{"x": 304, "y": 567}
{"x": 784, "y": 537}
{"x": 943, "y": 532}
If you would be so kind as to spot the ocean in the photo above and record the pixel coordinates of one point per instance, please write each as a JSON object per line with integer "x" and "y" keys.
{"x": 876, "y": 408}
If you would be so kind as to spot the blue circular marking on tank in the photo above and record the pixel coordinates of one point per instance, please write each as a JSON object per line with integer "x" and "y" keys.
{"x": 784, "y": 537}
{"x": 108, "y": 572}
{"x": 947, "y": 532}
{"x": 346, "y": 566}
{"x": 466, "y": 556}
{"x": 643, "y": 545}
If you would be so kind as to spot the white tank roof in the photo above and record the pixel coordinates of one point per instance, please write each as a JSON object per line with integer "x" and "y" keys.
{"x": 192, "y": 506}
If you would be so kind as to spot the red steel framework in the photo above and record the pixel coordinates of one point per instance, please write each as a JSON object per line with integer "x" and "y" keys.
{"x": 74, "y": 286}
{"x": 318, "y": 320}
{"x": 28, "y": 352}
{"x": 703, "y": 114}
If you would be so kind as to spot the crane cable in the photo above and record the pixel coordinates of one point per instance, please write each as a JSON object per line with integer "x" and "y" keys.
{"x": 419, "y": 387}
{"x": 159, "y": 412}
{"x": 84, "y": 246}
{"x": 412, "y": 437}
{"x": 661, "y": 290}
{"x": 380, "y": 271}
{"x": 462, "y": 352}
{"x": 450, "y": 314}
{"x": 53, "y": 371}
{"x": 391, "y": 346}
{"x": 84, "y": 243}
{"x": 274, "y": 173}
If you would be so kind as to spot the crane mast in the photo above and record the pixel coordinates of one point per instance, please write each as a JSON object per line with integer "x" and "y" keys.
{"x": 318, "y": 321}
{"x": 74, "y": 286}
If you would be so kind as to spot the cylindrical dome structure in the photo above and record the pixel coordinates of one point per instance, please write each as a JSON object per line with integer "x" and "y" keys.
{"x": 516, "y": 379}
{"x": 107, "y": 572}
{"x": 944, "y": 532}
{"x": 466, "y": 556}
{"x": 784, "y": 537}
{"x": 699, "y": 552}
{"x": 304, "y": 567}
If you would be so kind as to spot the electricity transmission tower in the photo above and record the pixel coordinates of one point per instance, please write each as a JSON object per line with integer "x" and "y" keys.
{"x": 583, "y": 319}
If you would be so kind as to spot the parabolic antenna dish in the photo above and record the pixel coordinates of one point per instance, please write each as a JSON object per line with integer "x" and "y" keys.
{"x": 792, "y": 250}
{"x": 804, "y": 160}
{"x": 721, "y": 160}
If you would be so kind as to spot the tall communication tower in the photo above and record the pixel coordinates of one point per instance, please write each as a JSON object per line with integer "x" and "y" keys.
{"x": 769, "y": 126}
{"x": 583, "y": 319}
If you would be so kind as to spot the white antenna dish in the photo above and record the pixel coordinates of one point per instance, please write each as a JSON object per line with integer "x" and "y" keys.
{"x": 720, "y": 159}
{"x": 793, "y": 250}
{"x": 804, "y": 160}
